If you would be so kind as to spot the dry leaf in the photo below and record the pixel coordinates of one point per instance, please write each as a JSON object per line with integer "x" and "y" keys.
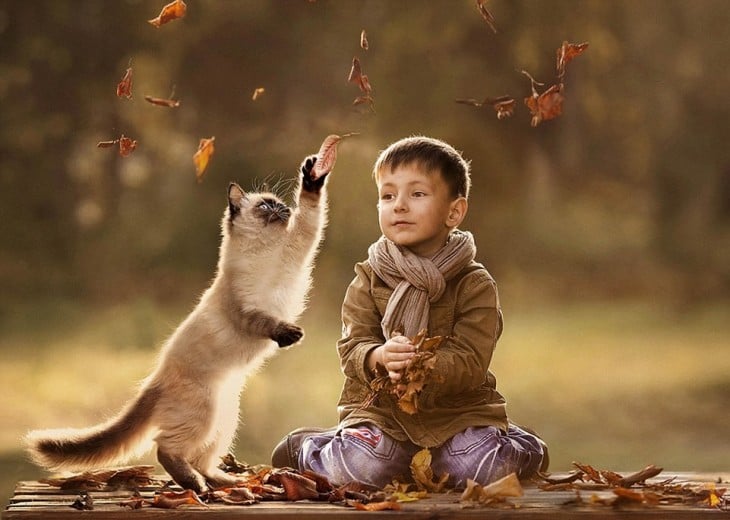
{"x": 364, "y": 44}
{"x": 486, "y": 15}
{"x": 206, "y": 147}
{"x": 504, "y": 106}
{"x": 566, "y": 53}
{"x": 422, "y": 472}
{"x": 327, "y": 155}
{"x": 374, "y": 506}
{"x": 124, "y": 87}
{"x": 361, "y": 80}
{"x": 257, "y": 93}
{"x": 174, "y": 499}
{"x": 170, "y": 12}
{"x": 298, "y": 487}
{"x": 497, "y": 491}
{"x": 171, "y": 103}
{"x": 545, "y": 106}
{"x": 126, "y": 146}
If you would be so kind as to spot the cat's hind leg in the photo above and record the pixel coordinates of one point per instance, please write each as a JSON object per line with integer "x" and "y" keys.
{"x": 181, "y": 471}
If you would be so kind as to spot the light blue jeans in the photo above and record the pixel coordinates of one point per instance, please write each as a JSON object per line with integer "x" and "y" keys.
{"x": 366, "y": 454}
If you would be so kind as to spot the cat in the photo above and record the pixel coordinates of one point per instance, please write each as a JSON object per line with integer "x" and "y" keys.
{"x": 189, "y": 404}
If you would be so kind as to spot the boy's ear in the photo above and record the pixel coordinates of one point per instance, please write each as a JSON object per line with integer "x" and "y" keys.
{"x": 457, "y": 212}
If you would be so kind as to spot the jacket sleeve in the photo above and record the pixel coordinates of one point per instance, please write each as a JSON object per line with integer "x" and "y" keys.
{"x": 462, "y": 361}
{"x": 361, "y": 329}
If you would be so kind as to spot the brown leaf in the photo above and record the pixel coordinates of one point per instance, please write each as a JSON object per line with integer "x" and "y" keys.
{"x": 206, "y": 148}
{"x": 640, "y": 476}
{"x": 566, "y": 53}
{"x": 486, "y": 15}
{"x": 327, "y": 155}
{"x": 504, "y": 106}
{"x": 364, "y": 44}
{"x": 298, "y": 487}
{"x": 496, "y": 492}
{"x": 124, "y": 87}
{"x": 126, "y": 146}
{"x": 590, "y": 472}
{"x": 545, "y": 106}
{"x": 170, "y": 103}
{"x": 172, "y": 11}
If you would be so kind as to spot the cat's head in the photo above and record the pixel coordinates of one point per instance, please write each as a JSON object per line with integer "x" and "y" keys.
{"x": 254, "y": 211}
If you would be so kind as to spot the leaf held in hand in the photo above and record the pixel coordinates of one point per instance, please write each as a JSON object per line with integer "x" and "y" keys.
{"x": 170, "y": 12}
{"x": 206, "y": 147}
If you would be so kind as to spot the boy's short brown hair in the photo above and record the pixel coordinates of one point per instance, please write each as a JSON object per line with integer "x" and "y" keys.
{"x": 432, "y": 155}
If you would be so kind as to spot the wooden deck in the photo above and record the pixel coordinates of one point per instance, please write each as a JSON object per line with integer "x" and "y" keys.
{"x": 33, "y": 500}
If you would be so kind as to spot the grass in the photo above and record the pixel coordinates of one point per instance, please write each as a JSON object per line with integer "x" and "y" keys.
{"x": 616, "y": 385}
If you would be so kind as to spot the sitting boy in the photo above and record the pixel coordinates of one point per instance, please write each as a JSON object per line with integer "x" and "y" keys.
{"x": 421, "y": 274}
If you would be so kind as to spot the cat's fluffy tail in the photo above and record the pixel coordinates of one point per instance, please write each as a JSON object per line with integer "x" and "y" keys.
{"x": 102, "y": 445}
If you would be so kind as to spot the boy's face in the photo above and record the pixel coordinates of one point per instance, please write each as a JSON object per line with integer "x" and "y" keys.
{"x": 416, "y": 209}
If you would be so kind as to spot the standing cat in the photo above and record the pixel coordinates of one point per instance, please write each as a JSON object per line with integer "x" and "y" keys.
{"x": 190, "y": 402}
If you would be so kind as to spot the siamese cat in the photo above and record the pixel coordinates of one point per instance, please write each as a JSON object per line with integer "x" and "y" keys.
{"x": 189, "y": 404}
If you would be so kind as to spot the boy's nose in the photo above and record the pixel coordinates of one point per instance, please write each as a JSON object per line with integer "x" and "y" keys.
{"x": 400, "y": 204}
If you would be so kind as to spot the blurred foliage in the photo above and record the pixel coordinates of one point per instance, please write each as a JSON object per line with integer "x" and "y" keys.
{"x": 628, "y": 193}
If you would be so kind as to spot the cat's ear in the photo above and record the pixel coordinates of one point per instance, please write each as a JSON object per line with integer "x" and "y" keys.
{"x": 236, "y": 196}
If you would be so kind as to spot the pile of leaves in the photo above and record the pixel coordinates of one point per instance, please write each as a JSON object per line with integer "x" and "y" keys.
{"x": 632, "y": 490}
{"x": 415, "y": 376}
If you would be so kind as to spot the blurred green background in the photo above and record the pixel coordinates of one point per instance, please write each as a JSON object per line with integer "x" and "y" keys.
{"x": 607, "y": 229}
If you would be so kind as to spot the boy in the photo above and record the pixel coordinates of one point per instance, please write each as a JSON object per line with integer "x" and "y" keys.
{"x": 420, "y": 274}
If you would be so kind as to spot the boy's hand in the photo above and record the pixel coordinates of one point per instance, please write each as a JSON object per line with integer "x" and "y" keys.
{"x": 395, "y": 355}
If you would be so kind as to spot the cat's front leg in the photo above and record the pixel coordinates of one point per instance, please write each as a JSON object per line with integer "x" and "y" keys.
{"x": 263, "y": 324}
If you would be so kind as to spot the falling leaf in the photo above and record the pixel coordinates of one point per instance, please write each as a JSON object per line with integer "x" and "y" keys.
{"x": 126, "y": 146}
{"x": 486, "y": 14}
{"x": 170, "y": 12}
{"x": 171, "y": 103}
{"x": 361, "y": 80}
{"x": 206, "y": 147}
{"x": 124, "y": 87}
{"x": 566, "y": 53}
{"x": 504, "y": 106}
{"x": 422, "y": 472}
{"x": 257, "y": 93}
{"x": 545, "y": 106}
{"x": 327, "y": 155}
{"x": 364, "y": 44}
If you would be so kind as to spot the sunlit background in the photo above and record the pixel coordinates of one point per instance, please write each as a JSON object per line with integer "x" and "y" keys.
{"x": 607, "y": 229}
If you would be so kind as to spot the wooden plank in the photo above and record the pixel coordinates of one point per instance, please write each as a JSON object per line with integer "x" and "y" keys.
{"x": 33, "y": 500}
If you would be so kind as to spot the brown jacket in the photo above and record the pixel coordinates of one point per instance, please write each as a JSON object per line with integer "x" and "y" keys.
{"x": 469, "y": 314}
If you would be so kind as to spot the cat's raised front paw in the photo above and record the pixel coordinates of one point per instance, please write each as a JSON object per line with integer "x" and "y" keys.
{"x": 287, "y": 334}
{"x": 309, "y": 183}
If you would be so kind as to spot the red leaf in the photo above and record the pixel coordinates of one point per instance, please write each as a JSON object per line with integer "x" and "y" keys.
{"x": 124, "y": 87}
{"x": 172, "y": 11}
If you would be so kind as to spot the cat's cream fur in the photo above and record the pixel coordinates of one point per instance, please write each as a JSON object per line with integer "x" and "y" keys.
{"x": 189, "y": 405}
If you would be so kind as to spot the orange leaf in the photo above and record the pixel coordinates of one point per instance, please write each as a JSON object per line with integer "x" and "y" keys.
{"x": 374, "y": 506}
{"x": 170, "y": 12}
{"x": 545, "y": 106}
{"x": 171, "y": 103}
{"x": 206, "y": 147}
{"x": 124, "y": 87}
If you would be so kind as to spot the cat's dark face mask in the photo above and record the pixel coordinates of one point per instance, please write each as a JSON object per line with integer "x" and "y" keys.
{"x": 272, "y": 210}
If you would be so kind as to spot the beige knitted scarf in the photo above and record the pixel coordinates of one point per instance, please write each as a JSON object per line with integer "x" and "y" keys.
{"x": 417, "y": 281}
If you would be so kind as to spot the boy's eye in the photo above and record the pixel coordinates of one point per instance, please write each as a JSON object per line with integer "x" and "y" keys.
{"x": 419, "y": 194}
{"x": 386, "y": 196}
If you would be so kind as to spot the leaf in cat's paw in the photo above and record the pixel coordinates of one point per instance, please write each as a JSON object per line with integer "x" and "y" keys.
{"x": 327, "y": 155}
